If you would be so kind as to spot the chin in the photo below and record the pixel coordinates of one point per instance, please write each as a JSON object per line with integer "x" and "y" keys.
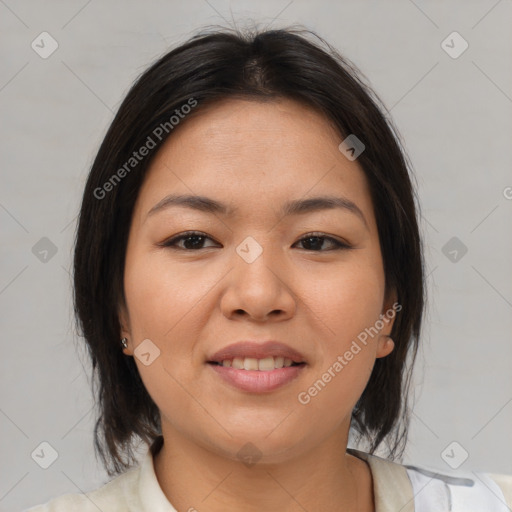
{"x": 265, "y": 446}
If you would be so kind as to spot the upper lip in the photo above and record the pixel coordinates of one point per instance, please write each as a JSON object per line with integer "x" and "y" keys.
{"x": 257, "y": 350}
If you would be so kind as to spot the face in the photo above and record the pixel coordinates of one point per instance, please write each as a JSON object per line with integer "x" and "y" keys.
{"x": 311, "y": 279}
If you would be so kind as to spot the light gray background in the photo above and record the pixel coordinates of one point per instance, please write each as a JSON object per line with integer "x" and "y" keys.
{"x": 455, "y": 117}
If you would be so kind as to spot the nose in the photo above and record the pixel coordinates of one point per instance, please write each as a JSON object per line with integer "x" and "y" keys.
{"x": 259, "y": 290}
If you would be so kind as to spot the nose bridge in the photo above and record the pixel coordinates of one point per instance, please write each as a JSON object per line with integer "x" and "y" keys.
{"x": 256, "y": 258}
{"x": 256, "y": 285}
{"x": 250, "y": 250}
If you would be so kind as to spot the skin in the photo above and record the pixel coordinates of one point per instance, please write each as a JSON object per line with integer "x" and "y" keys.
{"x": 255, "y": 156}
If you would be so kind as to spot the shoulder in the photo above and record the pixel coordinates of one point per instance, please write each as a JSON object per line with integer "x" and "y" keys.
{"x": 413, "y": 488}
{"x": 461, "y": 490}
{"x": 114, "y": 496}
{"x": 505, "y": 484}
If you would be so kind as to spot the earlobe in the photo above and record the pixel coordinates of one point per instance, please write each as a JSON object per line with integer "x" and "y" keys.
{"x": 125, "y": 329}
{"x": 125, "y": 348}
{"x": 388, "y": 314}
{"x": 386, "y": 346}
{"x": 125, "y": 333}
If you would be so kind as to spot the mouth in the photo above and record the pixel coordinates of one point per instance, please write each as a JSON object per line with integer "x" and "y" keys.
{"x": 250, "y": 355}
{"x": 257, "y": 381}
{"x": 257, "y": 367}
{"x": 266, "y": 364}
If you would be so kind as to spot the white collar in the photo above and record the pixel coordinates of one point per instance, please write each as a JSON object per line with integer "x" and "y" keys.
{"x": 151, "y": 495}
{"x": 391, "y": 486}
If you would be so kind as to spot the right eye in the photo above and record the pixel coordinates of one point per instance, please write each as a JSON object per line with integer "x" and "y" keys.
{"x": 193, "y": 240}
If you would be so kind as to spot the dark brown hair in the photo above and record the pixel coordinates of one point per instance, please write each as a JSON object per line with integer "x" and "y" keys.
{"x": 257, "y": 65}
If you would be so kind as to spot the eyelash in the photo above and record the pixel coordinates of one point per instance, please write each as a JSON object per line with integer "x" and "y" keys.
{"x": 171, "y": 243}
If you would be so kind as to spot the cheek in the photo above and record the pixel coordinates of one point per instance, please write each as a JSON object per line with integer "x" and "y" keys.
{"x": 348, "y": 299}
{"x": 161, "y": 299}
{"x": 164, "y": 305}
{"x": 347, "y": 303}
{"x": 167, "y": 305}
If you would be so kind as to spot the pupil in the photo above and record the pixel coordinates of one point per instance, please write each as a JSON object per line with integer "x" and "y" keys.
{"x": 316, "y": 245}
{"x": 194, "y": 245}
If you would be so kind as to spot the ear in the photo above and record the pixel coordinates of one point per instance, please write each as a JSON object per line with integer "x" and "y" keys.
{"x": 124, "y": 323}
{"x": 390, "y": 309}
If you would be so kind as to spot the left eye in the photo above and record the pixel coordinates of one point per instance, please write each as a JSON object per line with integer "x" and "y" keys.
{"x": 317, "y": 240}
{"x": 194, "y": 240}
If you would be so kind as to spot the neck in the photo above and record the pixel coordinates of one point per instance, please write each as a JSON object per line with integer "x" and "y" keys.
{"x": 326, "y": 478}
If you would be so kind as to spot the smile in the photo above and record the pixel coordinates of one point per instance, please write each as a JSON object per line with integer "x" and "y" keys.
{"x": 257, "y": 375}
{"x": 251, "y": 363}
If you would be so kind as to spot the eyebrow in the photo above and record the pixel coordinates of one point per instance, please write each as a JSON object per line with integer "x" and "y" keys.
{"x": 295, "y": 207}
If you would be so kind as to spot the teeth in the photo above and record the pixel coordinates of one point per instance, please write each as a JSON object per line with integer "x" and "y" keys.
{"x": 266, "y": 364}
{"x": 250, "y": 363}
{"x": 278, "y": 362}
{"x": 238, "y": 363}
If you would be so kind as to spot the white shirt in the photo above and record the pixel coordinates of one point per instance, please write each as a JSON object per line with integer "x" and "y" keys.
{"x": 396, "y": 488}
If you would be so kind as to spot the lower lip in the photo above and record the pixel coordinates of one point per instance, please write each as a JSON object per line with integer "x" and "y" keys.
{"x": 257, "y": 381}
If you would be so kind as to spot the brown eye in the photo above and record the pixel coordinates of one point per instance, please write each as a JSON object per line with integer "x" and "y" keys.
{"x": 315, "y": 242}
{"x": 192, "y": 240}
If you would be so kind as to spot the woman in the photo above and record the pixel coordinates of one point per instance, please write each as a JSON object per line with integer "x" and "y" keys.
{"x": 249, "y": 282}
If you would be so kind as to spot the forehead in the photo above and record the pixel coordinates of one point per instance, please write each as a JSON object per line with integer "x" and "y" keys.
{"x": 253, "y": 153}
{"x": 237, "y": 127}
